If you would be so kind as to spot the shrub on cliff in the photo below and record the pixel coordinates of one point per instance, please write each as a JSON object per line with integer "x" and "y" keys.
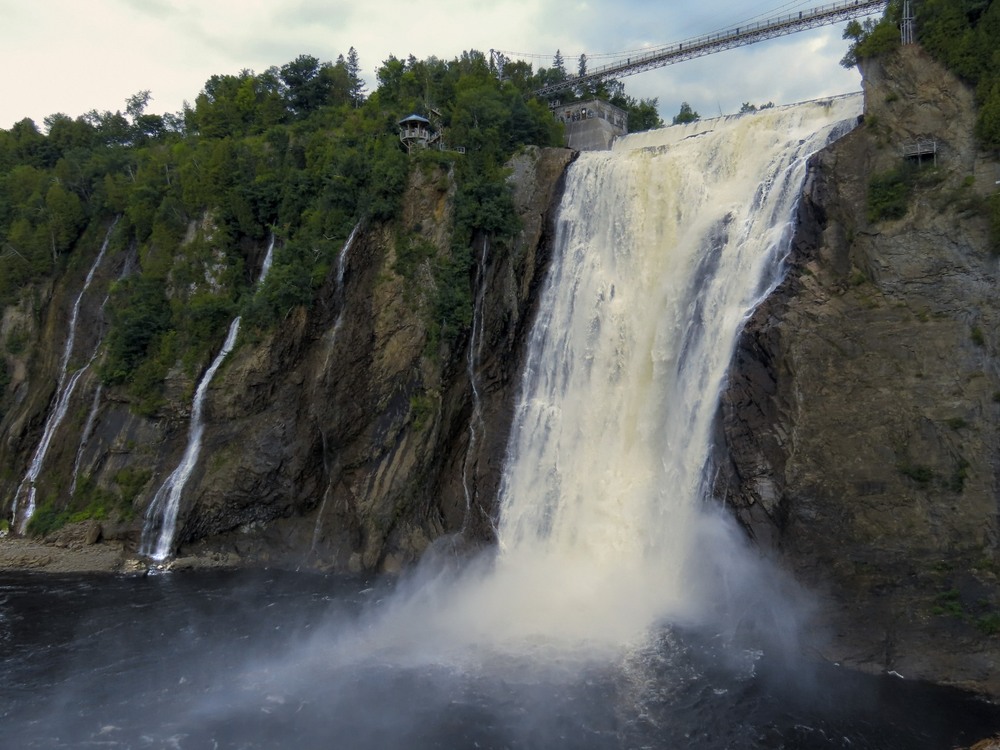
{"x": 872, "y": 38}
{"x": 994, "y": 212}
{"x": 889, "y": 194}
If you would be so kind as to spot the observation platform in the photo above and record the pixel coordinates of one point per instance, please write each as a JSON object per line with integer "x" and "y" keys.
{"x": 592, "y": 125}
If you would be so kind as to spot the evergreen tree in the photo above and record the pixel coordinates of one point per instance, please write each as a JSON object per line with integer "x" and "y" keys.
{"x": 357, "y": 89}
{"x": 686, "y": 115}
{"x": 559, "y": 64}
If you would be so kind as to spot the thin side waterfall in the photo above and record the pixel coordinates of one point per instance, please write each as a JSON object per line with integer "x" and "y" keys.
{"x": 339, "y": 291}
{"x": 476, "y": 424}
{"x": 65, "y": 386}
{"x": 340, "y": 298}
{"x": 88, "y": 427}
{"x": 161, "y": 517}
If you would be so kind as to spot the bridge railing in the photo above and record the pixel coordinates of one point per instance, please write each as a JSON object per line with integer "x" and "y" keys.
{"x": 708, "y": 43}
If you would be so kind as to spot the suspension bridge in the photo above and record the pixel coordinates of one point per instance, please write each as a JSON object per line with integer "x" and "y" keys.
{"x": 738, "y": 36}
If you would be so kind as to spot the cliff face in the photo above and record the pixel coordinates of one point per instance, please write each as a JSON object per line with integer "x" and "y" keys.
{"x": 339, "y": 440}
{"x": 863, "y": 410}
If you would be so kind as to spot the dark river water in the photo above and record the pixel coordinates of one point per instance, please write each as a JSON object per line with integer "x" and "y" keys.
{"x": 242, "y": 660}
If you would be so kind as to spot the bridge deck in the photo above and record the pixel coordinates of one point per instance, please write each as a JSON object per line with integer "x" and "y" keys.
{"x": 739, "y": 36}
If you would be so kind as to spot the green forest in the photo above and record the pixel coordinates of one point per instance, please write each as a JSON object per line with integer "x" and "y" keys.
{"x": 300, "y": 150}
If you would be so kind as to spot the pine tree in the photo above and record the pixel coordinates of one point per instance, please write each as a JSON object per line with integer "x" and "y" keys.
{"x": 357, "y": 89}
{"x": 558, "y": 63}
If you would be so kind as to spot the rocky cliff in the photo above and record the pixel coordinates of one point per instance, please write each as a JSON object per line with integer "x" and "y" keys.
{"x": 346, "y": 438}
{"x": 862, "y": 414}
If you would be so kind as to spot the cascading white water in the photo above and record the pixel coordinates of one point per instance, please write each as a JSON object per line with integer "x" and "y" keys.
{"x": 161, "y": 516}
{"x": 88, "y": 427}
{"x": 663, "y": 248}
{"x": 64, "y": 391}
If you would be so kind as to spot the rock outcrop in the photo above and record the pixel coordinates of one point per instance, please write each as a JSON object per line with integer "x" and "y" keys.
{"x": 341, "y": 439}
{"x": 862, "y": 414}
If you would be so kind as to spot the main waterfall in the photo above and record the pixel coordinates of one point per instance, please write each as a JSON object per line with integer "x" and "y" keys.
{"x": 663, "y": 248}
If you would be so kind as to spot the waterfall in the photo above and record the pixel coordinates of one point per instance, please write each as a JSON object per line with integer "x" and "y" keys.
{"x": 476, "y": 423}
{"x": 161, "y": 517}
{"x": 65, "y": 387}
{"x": 88, "y": 427}
{"x": 663, "y": 248}
{"x": 340, "y": 299}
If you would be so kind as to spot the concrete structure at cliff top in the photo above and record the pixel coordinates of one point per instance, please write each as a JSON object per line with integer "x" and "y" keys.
{"x": 591, "y": 125}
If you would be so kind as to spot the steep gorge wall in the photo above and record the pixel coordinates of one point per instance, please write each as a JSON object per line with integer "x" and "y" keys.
{"x": 862, "y": 415}
{"x": 339, "y": 440}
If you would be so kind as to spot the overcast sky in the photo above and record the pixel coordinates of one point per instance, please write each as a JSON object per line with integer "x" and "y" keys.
{"x": 72, "y": 56}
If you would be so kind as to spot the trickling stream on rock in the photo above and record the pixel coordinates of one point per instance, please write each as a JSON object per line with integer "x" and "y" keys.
{"x": 476, "y": 424}
{"x": 161, "y": 517}
{"x": 340, "y": 299}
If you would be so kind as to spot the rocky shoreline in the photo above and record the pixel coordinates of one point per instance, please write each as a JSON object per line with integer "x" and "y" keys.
{"x": 79, "y": 548}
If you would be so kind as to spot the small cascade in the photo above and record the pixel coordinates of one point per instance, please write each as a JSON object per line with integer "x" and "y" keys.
{"x": 66, "y": 385}
{"x": 318, "y": 527}
{"x": 340, "y": 299}
{"x": 477, "y": 426}
{"x": 161, "y": 517}
{"x": 88, "y": 427}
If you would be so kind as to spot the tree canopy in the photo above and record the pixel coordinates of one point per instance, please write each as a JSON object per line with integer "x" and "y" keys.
{"x": 300, "y": 150}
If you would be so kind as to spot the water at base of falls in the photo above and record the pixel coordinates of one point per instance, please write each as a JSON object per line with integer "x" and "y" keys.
{"x": 252, "y": 661}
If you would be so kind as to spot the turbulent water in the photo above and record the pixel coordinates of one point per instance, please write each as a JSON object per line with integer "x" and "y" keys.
{"x": 618, "y": 611}
{"x": 256, "y": 661}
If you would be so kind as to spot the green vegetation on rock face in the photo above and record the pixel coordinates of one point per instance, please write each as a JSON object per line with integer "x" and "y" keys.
{"x": 889, "y": 194}
{"x": 962, "y": 34}
{"x": 91, "y": 502}
{"x": 298, "y": 151}
{"x": 872, "y": 38}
